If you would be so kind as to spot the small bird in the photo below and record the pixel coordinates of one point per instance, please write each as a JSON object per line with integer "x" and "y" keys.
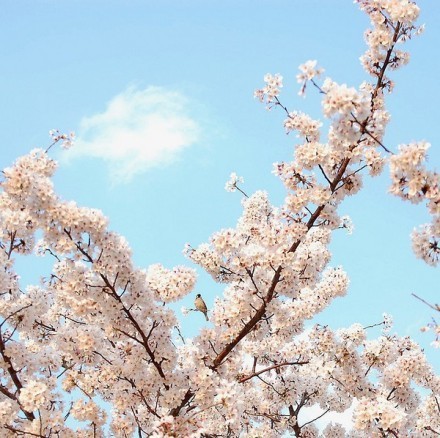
{"x": 201, "y": 306}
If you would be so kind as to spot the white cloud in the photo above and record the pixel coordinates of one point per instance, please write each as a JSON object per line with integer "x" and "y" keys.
{"x": 138, "y": 130}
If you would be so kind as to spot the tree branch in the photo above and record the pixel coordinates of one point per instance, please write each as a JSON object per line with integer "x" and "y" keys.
{"x": 257, "y": 373}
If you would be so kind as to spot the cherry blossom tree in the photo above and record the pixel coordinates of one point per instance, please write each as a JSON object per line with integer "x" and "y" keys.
{"x": 98, "y": 343}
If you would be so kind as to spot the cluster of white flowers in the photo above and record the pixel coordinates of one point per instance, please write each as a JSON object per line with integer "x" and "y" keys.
{"x": 170, "y": 285}
{"x": 426, "y": 242}
{"x": 340, "y": 99}
{"x": 231, "y": 184}
{"x": 89, "y": 411}
{"x": 33, "y": 395}
{"x": 67, "y": 140}
{"x": 304, "y": 125}
{"x": 413, "y": 182}
{"x": 270, "y": 92}
{"x": 308, "y": 71}
{"x": 8, "y": 411}
{"x": 387, "y": 323}
{"x": 375, "y": 161}
{"x": 409, "y": 179}
{"x": 378, "y": 413}
{"x": 403, "y": 11}
{"x": 381, "y": 39}
{"x": 205, "y": 257}
{"x": 347, "y": 223}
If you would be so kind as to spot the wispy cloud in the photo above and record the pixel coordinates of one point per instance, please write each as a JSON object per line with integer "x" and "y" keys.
{"x": 138, "y": 130}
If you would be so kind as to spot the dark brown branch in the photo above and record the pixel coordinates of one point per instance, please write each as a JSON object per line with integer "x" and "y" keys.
{"x": 238, "y": 188}
{"x": 188, "y": 396}
{"x": 251, "y": 276}
{"x": 249, "y": 326}
{"x": 15, "y": 313}
{"x": 71, "y": 319}
{"x": 11, "y": 244}
{"x": 254, "y": 365}
{"x": 130, "y": 317}
{"x": 391, "y": 393}
{"x": 333, "y": 184}
{"x": 141, "y": 395}
{"x": 257, "y": 373}
{"x": 323, "y": 172}
{"x": 19, "y": 432}
{"x": 14, "y": 377}
{"x": 293, "y": 414}
{"x": 373, "y": 325}
{"x": 321, "y": 91}
{"x": 136, "y": 325}
{"x": 317, "y": 418}
{"x": 103, "y": 357}
{"x": 5, "y": 391}
{"x": 435, "y": 307}
{"x": 385, "y": 64}
{"x": 278, "y": 103}
{"x": 251, "y": 323}
{"x": 79, "y": 247}
{"x": 270, "y": 385}
{"x": 362, "y": 125}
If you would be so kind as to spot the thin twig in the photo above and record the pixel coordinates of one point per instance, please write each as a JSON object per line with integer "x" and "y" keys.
{"x": 435, "y": 307}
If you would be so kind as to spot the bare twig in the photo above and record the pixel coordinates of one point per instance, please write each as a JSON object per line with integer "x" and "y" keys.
{"x": 435, "y": 307}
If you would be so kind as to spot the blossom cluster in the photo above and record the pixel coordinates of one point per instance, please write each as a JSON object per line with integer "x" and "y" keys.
{"x": 96, "y": 325}
{"x": 308, "y": 71}
{"x": 304, "y": 125}
{"x": 270, "y": 92}
{"x": 231, "y": 184}
{"x": 67, "y": 140}
{"x": 170, "y": 285}
{"x": 413, "y": 182}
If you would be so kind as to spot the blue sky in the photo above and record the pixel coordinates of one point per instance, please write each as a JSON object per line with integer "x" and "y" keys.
{"x": 121, "y": 73}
